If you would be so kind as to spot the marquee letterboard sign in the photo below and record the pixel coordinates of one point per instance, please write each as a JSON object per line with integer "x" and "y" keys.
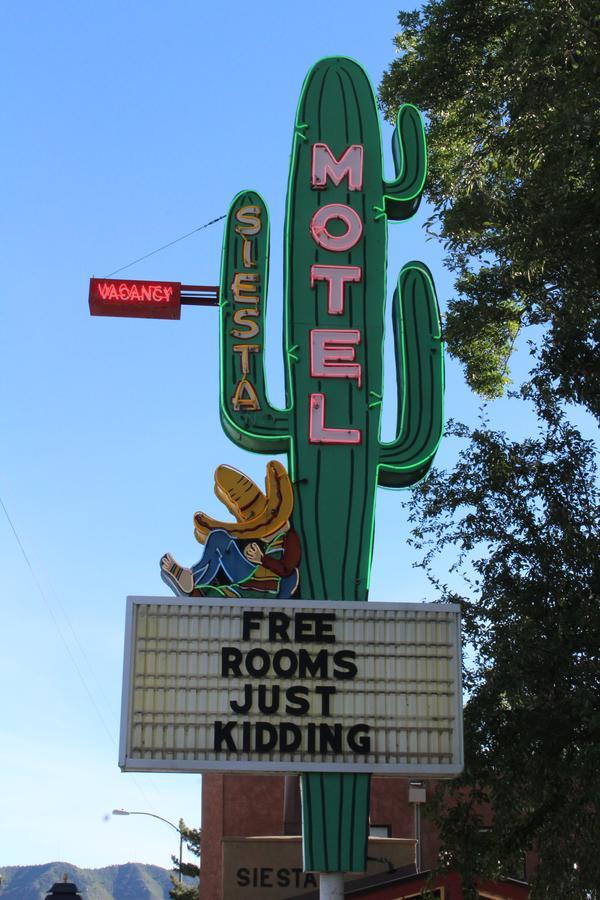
{"x": 282, "y": 686}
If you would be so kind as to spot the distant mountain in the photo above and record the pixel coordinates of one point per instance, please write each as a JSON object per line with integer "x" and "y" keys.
{"x": 133, "y": 881}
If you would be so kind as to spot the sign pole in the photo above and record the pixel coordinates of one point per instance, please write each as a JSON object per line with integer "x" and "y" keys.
{"x": 331, "y": 886}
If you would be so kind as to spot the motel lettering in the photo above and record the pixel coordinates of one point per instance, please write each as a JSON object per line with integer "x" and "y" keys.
{"x": 332, "y": 350}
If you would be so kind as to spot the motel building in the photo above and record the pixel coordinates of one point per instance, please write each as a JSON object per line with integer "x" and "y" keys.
{"x": 251, "y": 844}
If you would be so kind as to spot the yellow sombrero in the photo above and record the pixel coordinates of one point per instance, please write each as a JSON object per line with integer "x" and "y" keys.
{"x": 258, "y": 515}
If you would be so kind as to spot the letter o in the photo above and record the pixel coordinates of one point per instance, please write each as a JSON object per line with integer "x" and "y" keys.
{"x": 262, "y": 658}
{"x": 292, "y": 659}
{"x": 336, "y": 242}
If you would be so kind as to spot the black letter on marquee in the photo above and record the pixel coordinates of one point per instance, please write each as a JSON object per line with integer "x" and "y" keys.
{"x": 303, "y": 627}
{"x": 326, "y": 693}
{"x": 298, "y": 695}
{"x": 273, "y": 706}
{"x": 263, "y": 659}
{"x": 325, "y": 628}
{"x": 292, "y": 661}
{"x": 265, "y": 736}
{"x": 278, "y": 626}
{"x": 316, "y": 667}
{"x": 363, "y": 744}
{"x": 346, "y": 668}
{"x": 330, "y": 735}
{"x": 223, "y": 733}
{"x": 231, "y": 658}
{"x": 250, "y": 622}
{"x": 247, "y": 704}
{"x": 290, "y": 737}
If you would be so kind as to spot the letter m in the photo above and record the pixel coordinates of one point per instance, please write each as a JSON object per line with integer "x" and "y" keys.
{"x": 325, "y": 165}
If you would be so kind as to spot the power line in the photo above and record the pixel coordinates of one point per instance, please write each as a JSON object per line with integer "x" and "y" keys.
{"x": 164, "y": 246}
{"x": 38, "y": 584}
{"x": 55, "y": 621}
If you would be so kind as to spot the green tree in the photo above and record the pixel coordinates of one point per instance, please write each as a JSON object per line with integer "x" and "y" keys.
{"x": 180, "y": 889}
{"x": 520, "y": 522}
{"x": 510, "y": 90}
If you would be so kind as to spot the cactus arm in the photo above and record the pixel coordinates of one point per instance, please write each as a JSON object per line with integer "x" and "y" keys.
{"x": 409, "y": 150}
{"x": 420, "y": 372}
{"x": 247, "y": 416}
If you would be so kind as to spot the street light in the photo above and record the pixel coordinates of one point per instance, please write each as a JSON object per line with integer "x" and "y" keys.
{"x": 128, "y": 812}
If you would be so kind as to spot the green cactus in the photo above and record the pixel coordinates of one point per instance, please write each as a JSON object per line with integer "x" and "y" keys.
{"x": 335, "y": 484}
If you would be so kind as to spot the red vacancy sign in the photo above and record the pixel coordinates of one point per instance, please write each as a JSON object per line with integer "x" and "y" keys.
{"x": 138, "y": 299}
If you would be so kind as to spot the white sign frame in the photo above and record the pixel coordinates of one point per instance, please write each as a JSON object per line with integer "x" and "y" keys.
{"x": 412, "y": 770}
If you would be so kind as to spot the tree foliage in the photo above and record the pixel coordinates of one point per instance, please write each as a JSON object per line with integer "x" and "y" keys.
{"x": 182, "y": 890}
{"x": 510, "y": 90}
{"x": 520, "y": 520}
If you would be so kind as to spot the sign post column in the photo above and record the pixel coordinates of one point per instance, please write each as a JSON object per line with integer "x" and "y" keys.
{"x": 331, "y": 886}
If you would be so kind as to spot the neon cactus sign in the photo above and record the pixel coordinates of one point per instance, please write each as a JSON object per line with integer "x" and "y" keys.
{"x": 338, "y": 204}
{"x": 335, "y": 246}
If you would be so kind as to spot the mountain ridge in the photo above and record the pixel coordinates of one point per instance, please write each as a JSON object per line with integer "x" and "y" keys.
{"x": 129, "y": 881}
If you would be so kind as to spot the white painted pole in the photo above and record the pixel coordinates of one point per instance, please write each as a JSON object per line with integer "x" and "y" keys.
{"x": 331, "y": 886}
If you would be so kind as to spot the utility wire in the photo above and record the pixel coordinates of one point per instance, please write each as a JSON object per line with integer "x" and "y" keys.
{"x": 164, "y": 246}
{"x": 56, "y": 623}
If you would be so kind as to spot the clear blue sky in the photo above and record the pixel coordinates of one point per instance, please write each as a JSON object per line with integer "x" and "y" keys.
{"x": 126, "y": 125}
